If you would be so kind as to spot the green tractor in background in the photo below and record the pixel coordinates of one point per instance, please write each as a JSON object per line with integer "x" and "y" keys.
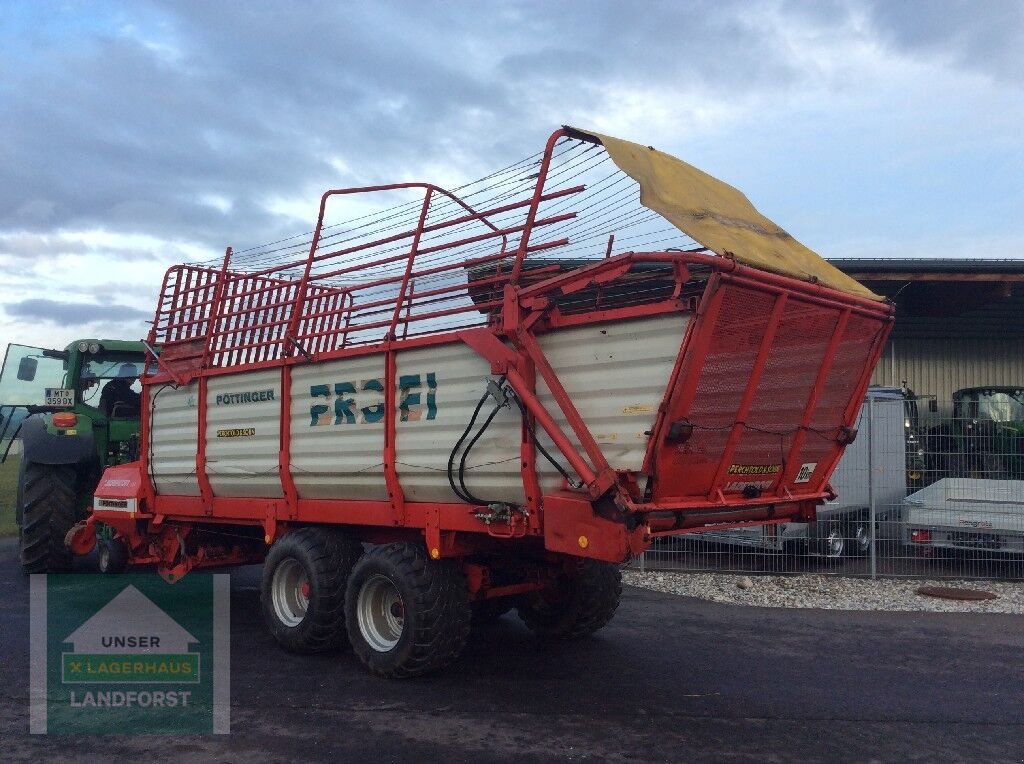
{"x": 986, "y": 436}
{"x": 77, "y": 412}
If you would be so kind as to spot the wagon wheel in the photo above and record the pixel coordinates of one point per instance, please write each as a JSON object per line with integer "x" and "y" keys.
{"x": 406, "y": 614}
{"x": 579, "y": 605}
{"x": 303, "y": 588}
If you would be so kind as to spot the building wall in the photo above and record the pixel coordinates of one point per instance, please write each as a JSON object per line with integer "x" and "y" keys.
{"x": 942, "y": 342}
{"x": 939, "y": 365}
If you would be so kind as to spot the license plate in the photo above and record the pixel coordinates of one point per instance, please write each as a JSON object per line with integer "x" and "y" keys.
{"x": 59, "y": 396}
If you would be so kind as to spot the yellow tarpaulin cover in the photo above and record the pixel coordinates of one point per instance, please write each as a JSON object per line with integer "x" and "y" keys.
{"x": 720, "y": 217}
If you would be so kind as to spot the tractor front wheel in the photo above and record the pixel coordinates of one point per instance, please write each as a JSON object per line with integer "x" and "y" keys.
{"x": 406, "y": 614}
{"x": 582, "y": 602}
{"x": 304, "y": 586}
{"x": 47, "y": 511}
{"x": 112, "y": 555}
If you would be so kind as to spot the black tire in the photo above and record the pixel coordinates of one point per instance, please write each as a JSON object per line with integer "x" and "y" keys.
{"x": 486, "y": 612}
{"x": 19, "y": 510}
{"x": 111, "y": 555}
{"x": 406, "y": 614}
{"x": 965, "y": 465}
{"x": 303, "y": 589}
{"x": 829, "y": 540}
{"x": 993, "y": 466}
{"x": 48, "y": 511}
{"x": 858, "y": 537}
{"x": 581, "y": 604}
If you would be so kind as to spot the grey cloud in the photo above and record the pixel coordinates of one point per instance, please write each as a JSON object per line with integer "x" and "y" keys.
{"x": 62, "y": 313}
{"x": 30, "y": 246}
{"x": 693, "y": 43}
{"x": 254, "y": 109}
{"x": 986, "y": 37}
{"x": 255, "y": 100}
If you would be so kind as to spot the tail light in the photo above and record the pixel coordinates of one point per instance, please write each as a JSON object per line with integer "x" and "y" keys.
{"x": 64, "y": 419}
{"x": 921, "y": 537}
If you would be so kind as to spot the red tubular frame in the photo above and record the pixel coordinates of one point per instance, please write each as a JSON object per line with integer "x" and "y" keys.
{"x": 250, "y": 321}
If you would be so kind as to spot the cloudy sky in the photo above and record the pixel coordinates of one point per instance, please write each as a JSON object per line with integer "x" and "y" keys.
{"x": 137, "y": 135}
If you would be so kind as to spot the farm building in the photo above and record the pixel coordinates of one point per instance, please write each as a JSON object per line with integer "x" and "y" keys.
{"x": 958, "y": 322}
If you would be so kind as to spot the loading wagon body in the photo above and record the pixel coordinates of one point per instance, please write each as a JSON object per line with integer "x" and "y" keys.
{"x": 449, "y": 376}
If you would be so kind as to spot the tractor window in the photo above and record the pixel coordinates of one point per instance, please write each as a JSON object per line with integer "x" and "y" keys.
{"x": 28, "y": 373}
{"x": 1001, "y": 406}
{"x": 100, "y": 371}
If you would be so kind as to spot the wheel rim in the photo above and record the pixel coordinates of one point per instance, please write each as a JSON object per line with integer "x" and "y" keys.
{"x": 290, "y": 592}
{"x": 104, "y": 561}
{"x": 834, "y": 543}
{"x": 862, "y": 538}
{"x": 381, "y": 613}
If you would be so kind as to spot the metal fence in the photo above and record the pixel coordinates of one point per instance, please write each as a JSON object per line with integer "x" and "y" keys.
{"x": 929, "y": 488}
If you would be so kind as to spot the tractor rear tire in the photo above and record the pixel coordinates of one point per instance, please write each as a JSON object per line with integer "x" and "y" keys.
{"x": 48, "y": 511}
{"x": 303, "y": 589}
{"x": 19, "y": 502}
{"x": 581, "y": 604}
{"x": 406, "y": 614}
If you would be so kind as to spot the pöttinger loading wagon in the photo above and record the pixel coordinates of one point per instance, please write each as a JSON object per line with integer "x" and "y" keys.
{"x": 446, "y": 404}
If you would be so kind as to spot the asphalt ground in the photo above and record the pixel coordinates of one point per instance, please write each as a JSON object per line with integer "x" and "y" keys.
{"x": 670, "y": 679}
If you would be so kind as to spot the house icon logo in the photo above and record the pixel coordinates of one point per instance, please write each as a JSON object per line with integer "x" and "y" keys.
{"x": 131, "y": 640}
{"x": 130, "y": 653}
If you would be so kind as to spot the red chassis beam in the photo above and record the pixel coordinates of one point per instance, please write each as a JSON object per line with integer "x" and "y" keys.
{"x": 449, "y": 530}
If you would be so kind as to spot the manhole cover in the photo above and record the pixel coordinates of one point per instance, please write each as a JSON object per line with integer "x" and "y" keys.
{"x": 949, "y": 593}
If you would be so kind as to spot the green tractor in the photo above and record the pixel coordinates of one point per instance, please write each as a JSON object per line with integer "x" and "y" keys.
{"x": 77, "y": 412}
{"x": 986, "y": 436}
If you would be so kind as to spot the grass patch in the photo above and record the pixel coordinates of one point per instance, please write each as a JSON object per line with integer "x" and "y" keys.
{"x": 8, "y": 493}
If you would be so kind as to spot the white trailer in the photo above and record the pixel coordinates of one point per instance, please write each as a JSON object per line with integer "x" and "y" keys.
{"x": 967, "y": 514}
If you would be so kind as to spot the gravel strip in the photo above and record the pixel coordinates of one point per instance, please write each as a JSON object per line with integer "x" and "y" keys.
{"x": 828, "y": 592}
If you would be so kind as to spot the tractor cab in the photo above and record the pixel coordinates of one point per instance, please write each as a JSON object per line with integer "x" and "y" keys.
{"x": 988, "y": 428}
{"x": 77, "y": 412}
{"x": 1002, "y": 405}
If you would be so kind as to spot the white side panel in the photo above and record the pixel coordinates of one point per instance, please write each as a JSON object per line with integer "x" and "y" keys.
{"x": 174, "y": 427}
{"x": 243, "y": 434}
{"x": 616, "y": 375}
{"x": 433, "y": 426}
{"x": 331, "y": 456}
